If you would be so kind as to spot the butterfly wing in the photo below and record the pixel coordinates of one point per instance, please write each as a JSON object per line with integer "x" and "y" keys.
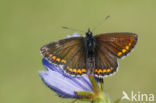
{"x": 119, "y": 44}
{"x": 67, "y": 52}
{"x": 109, "y": 47}
{"x": 105, "y": 62}
{"x": 76, "y": 65}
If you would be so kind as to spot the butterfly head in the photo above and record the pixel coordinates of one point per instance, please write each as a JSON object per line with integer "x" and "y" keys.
{"x": 89, "y": 34}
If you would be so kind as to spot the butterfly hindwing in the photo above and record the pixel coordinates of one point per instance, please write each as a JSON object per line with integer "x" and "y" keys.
{"x": 119, "y": 44}
{"x": 105, "y": 62}
{"x": 77, "y": 63}
{"x": 67, "y": 52}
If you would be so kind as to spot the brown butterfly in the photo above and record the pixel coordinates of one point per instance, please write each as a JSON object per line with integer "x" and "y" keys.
{"x": 90, "y": 54}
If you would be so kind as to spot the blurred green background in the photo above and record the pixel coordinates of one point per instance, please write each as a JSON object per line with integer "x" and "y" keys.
{"x": 26, "y": 25}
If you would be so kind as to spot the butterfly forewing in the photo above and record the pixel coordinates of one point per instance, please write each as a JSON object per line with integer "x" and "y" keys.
{"x": 68, "y": 52}
{"x": 119, "y": 44}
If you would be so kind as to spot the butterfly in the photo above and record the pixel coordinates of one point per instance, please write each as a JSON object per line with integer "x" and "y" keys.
{"x": 95, "y": 55}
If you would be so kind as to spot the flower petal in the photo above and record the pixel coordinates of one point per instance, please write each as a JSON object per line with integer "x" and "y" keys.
{"x": 86, "y": 82}
{"x": 53, "y": 67}
{"x": 82, "y": 81}
{"x": 74, "y": 35}
{"x": 62, "y": 85}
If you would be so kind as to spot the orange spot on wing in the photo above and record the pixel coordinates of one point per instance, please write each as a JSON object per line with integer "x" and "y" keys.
{"x": 95, "y": 70}
{"x": 58, "y": 59}
{"x": 84, "y": 71}
{"x": 129, "y": 44}
{"x": 108, "y": 70}
{"x": 63, "y": 61}
{"x": 70, "y": 70}
{"x": 74, "y": 70}
{"x": 124, "y": 50}
{"x": 104, "y": 70}
{"x": 127, "y": 47}
{"x": 99, "y": 71}
{"x": 119, "y": 53}
{"x": 54, "y": 57}
{"x": 79, "y": 71}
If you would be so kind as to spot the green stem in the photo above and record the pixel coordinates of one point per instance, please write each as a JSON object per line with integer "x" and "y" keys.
{"x": 99, "y": 95}
{"x": 95, "y": 86}
{"x": 101, "y": 98}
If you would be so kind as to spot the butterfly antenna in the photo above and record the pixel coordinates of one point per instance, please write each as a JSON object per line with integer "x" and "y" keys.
{"x": 101, "y": 22}
{"x": 72, "y": 29}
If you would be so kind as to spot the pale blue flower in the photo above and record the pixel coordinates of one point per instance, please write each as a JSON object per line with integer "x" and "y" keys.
{"x": 64, "y": 85}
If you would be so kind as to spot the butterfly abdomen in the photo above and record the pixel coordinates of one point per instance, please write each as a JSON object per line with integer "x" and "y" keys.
{"x": 90, "y": 54}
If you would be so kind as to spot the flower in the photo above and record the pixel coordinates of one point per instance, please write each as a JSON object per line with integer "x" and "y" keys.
{"x": 64, "y": 85}
{"x": 74, "y": 35}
